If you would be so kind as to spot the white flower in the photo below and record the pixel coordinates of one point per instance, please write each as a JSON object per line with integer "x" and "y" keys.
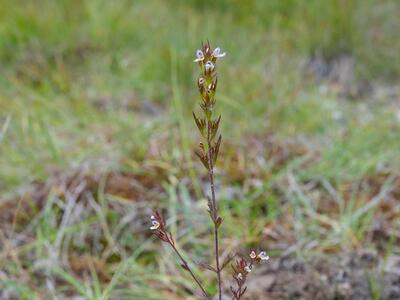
{"x": 209, "y": 66}
{"x": 247, "y": 269}
{"x": 155, "y": 223}
{"x": 217, "y": 53}
{"x": 240, "y": 276}
{"x": 253, "y": 255}
{"x": 263, "y": 256}
{"x": 199, "y": 56}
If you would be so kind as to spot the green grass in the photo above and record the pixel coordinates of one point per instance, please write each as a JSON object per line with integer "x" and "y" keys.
{"x": 104, "y": 86}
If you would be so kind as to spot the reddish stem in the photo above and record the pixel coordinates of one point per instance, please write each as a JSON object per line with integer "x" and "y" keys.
{"x": 214, "y": 209}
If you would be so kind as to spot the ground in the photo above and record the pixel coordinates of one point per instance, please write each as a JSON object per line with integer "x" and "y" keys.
{"x": 96, "y": 133}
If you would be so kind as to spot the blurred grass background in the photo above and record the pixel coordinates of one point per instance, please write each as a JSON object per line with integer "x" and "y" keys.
{"x": 309, "y": 93}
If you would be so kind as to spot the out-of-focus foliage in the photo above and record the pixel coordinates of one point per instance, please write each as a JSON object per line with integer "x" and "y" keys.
{"x": 95, "y": 128}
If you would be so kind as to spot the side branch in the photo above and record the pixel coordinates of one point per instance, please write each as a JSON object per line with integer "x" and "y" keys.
{"x": 186, "y": 267}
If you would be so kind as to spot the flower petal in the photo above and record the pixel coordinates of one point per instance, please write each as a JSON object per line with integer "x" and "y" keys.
{"x": 217, "y": 53}
{"x": 209, "y": 66}
{"x": 199, "y": 56}
{"x": 155, "y": 226}
{"x": 263, "y": 256}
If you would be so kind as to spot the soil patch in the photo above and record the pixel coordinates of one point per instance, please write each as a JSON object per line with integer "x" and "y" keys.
{"x": 362, "y": 275}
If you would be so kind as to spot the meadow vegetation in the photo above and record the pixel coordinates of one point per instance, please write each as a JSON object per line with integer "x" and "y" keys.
{"x": 96, "y": 131}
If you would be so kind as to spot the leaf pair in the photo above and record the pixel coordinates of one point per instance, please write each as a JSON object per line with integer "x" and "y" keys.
{"x": 202, "y": 125}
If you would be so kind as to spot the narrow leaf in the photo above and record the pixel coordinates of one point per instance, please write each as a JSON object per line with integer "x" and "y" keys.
{"x": 216, "y": 149}
{"x": 227, "y": 260}
{"x": 206, "y": 266}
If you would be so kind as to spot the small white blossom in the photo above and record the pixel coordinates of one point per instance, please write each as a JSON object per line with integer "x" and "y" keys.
{"x": 199, "y": 56}
{"x": 155, "y": 223}
{"x": 253, "y": 255}
{"x": 247, "y": 269}
{"x": 209, "y": 66}
{"x": 263, "y": 256}
{"x": 217, "y": 53}
{"x": 240, "y": 276}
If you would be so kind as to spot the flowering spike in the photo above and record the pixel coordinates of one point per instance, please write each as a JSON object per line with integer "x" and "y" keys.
{"x": 208, "y": 125}
{"x": 207, "y": 85}
{"x": 159, "y": 228}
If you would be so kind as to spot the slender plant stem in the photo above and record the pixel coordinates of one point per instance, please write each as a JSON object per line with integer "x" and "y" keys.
{"x": 214, "y": 209}
{"x": 217, "y": 261}
{"x": 187, "y": 268}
